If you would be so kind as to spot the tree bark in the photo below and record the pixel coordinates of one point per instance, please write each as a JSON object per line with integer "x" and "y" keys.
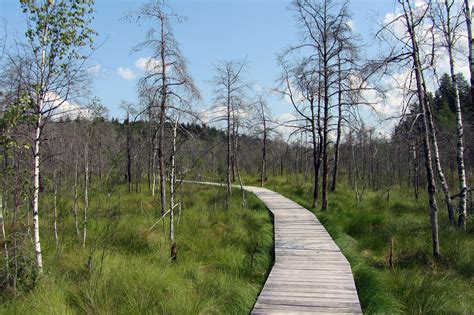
{"x": 339, "y": 127}
{"x": 470, "y": 43}
{"x": 437, "y": 159}
{"x": 173, "y": 193}
{"x": 4, "y": 237}
{"x": 229, "y": 141}
{"x": 129, "y": 156}
{"x": 415, "y": 170}
{"x": 263, "y": 172}
{"x": 164, "y": 94}
{"x": 55, "y": 210}
{"x": 36, "y": 188}
{"x": 448, "y": 33}
{"x": 324, "y": 202}
{"x": 427, "y": 131}
{"x": 76, "y": 197}
{"x": 86, "y": 192}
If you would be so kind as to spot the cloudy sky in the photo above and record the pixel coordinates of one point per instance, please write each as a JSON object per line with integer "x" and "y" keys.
{"x": 213, "y": 31}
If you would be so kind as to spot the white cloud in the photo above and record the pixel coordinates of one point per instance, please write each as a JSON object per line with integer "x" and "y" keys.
{"x": 126, "y": 73}
{"x": 64, "y": 109}
{"x": 94, "y": 70}
{"x": 148, "y": 64}
{"x": 286, "y": 124}
{"x": 399, "y": 84}
{"x": 351, "y": 24}
{"x": 217, "y": 114}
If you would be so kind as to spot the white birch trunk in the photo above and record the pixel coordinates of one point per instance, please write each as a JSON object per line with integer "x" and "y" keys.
{"x": 470, "y": 43}
{"x": 36, "y": 188}
{"x": 434, "y": 143}
{"x": 55, "y": 212}
{"x": 460, "y": 159}
{"x": 428, "y": 130}
{"x": 4, "y": 236}
{"x": 459, "y": 127}
{"x": 86, "y": 193}
{"x": 76, "y": 197}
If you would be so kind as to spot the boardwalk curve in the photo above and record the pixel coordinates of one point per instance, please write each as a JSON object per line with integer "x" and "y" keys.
{"x": 310, "y": 274}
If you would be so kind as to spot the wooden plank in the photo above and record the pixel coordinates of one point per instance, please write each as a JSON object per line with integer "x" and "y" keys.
{"x": 310, "y": 274}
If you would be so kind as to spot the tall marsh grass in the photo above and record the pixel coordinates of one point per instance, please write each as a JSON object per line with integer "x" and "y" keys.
{"x": 416, "y": 284}
{"x": 224, "y": 256}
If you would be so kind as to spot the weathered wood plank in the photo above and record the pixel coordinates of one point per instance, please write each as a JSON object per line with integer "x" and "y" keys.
{"x": 310, "y": 274}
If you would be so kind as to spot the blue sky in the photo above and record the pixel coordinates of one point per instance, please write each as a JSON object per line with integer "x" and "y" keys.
{"x": 215, "y": 30}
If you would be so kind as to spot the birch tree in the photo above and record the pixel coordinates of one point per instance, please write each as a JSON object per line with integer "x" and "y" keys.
{"x": 448, "y": 23}
{"x": 58, "y": 35}
{"x": 412, "y": 23}
{"x": 470, "y": 44}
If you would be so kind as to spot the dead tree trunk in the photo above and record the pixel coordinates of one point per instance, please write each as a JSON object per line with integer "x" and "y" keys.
{"x": 415, "y": 170}
{"x": 229, "y": 142}
{"x": 338, "y": 128}
{"x": 424, "y": 106}
{"x": 174, "y": 251}
{"x": 242, "y": 192}
{"x": 324, "y": 201}
{"x": 263, "y": 171}
{"x": 164, "y": 95}
{"x": 129, "y": 155}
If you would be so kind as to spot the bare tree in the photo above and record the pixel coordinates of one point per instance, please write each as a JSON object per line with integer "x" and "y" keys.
{"x": 302, "y": 85}
{"x": 263, "y": 130}
{"x": 324, "y": 23}
{"x": 166, "y": 80}
{"x": 174, "y": 250}
{"x": 411, "y": 23}
{"x": 129, "y": 111}
{"x": 229, "y": 88}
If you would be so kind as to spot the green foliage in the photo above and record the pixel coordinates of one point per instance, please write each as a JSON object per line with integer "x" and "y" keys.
{"x": 59, "y": 27}
{"x": 444, "y": 101}
{"x": 223, "y": 257}
{"x": 10, "y": 118}
{"x": 97, "y": 110}
{"x": 416, "y": 284}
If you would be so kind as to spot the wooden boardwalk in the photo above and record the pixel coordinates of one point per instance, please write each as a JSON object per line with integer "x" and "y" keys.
{"x": 310, "y": 274}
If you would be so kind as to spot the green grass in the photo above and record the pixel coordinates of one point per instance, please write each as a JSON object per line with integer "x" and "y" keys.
{"x": 223, "y": 258}
{"x": 417, "y": 284}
